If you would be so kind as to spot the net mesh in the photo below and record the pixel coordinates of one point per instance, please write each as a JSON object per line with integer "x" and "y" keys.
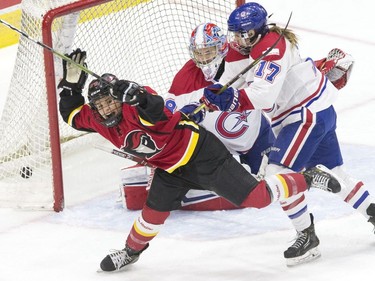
{"x": 144, "y": 41}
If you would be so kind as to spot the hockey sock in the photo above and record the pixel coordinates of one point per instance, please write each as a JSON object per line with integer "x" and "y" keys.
{"x": 259, "y": 197}
{"x": 295, "y": 208}
{"x": 275, "y": 188}
{"x": 354, "y": 192}
{"x": 145, "y": 228}
{"x": 283, "y": 186}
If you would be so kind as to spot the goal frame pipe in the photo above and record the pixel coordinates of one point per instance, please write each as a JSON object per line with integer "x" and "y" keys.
{"x": 48, "y": 18}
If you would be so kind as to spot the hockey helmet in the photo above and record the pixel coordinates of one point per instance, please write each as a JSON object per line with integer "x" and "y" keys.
{"x": 247, "y": 24}
{"x": 107, "y": 110}
{"x": 208, "y": 46}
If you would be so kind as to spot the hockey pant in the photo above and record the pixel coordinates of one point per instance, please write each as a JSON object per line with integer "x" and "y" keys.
{"x": 135, "y": 182}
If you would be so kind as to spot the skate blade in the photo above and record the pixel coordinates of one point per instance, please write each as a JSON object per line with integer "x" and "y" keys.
{"x": 124, "y": 268}
{"x": 99, "y": 270}
{"x": 309, "y": 256}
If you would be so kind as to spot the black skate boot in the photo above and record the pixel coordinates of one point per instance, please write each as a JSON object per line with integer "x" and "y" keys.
{"x": 120, "y": 259}
{"x": 321, "y": 177}
{"x": 305, "y": 248}
{"x": 371, "y": 212}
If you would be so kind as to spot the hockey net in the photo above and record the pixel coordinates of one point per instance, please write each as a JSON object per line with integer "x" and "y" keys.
{"x": 141, "y": 40}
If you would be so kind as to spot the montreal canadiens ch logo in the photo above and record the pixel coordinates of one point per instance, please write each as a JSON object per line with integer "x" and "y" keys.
{"x": 232, "y": 125}
{"x": 140, "y": 144}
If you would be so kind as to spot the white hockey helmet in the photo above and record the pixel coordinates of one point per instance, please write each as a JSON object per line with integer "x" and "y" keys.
{"x": 208, "y": 47}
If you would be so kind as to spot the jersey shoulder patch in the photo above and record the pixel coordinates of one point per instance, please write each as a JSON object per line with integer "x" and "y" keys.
{"x": 234, "y": 55}
{"x": 267, "y": 41}
{"x": 190, "y": 78}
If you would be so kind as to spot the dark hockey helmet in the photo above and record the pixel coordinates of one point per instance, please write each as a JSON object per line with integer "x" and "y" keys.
{"x": 107, "y": 110}
{"x": 247, "y": 23}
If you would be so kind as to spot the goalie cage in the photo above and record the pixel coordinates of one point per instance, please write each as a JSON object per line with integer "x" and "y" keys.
{"x": 140, "y": 40}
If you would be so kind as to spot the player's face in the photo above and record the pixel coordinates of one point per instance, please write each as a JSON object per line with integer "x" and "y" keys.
{"x": 206, "y": 55}
{"x": 244, "y": 39}
{"x": 108, "y": 107}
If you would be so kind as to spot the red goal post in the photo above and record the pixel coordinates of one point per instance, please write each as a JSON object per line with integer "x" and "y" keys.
{"x": 141, "y": 40}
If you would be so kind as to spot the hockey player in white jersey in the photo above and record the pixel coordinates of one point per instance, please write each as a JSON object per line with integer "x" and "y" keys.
{"x": 298, "y": 99}
{"x": 245, "y": 133}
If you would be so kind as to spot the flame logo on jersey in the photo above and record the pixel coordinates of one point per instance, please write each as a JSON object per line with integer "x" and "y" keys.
{"x": 230, "y": 130}
{"x": 140, "y": 144}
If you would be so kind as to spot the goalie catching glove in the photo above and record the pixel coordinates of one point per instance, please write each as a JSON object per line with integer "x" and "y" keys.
{"x": 129, "y": 92}
{"x": 74, "y": 78}
{"x": 337, "y": 66}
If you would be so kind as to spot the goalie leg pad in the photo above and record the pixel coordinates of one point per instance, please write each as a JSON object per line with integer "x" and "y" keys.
{"x": 135, "y": 182}
{"x": 134, "y": 196}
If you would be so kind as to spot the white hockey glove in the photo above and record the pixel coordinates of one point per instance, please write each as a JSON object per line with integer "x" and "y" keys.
{"x": 74, "y": 78}
{"x": 337, "y": 67}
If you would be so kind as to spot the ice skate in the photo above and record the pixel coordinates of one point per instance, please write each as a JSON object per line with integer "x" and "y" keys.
{"x": 120, "y": 259}
{"x": 305, "y": 248}
{"x": 322, "y": 178}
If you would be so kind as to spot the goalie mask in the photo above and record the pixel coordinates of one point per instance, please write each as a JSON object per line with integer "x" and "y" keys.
{"x": 107, "y": 110}
{"x": 208, "y": 46}
{"x": 247, "y": 24}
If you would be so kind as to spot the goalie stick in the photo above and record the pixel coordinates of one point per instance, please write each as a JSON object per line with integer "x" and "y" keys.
{"x": 123, "y": 154}
{"x": 247, "y": 68}
{"x": 62, "y": 56}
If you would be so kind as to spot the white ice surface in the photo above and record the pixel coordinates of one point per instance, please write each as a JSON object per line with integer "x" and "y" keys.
{"x": 221, "y": 245}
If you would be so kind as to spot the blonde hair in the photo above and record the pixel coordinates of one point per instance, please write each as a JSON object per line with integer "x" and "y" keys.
{"x": 288, "y": 34}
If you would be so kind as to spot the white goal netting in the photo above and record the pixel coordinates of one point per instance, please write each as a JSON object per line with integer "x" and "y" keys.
{"x": 144, "y": 41}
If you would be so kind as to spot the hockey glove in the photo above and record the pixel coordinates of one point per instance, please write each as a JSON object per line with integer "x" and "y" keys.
{"x": 129, "y": 92}
{"x": 340, "y": 74}
{"x": 74, "y": 78}
{"x": 189, "y": 109}
{"x": 337, "y": 67}
{"x": 225, "y": 101}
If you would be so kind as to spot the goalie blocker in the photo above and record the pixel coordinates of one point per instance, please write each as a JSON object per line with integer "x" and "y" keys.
{"x": 136, "y": 181}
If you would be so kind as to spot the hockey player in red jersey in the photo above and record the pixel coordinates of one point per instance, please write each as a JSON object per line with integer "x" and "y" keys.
{"x": 298, "y": 99}
{"x": 134, "y": 119}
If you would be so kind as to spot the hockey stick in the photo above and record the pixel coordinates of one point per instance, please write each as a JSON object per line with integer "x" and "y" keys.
{"x": 247, "y": 68}
{"x": 62, "y": 56}
{"x": 123, "y": 154}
